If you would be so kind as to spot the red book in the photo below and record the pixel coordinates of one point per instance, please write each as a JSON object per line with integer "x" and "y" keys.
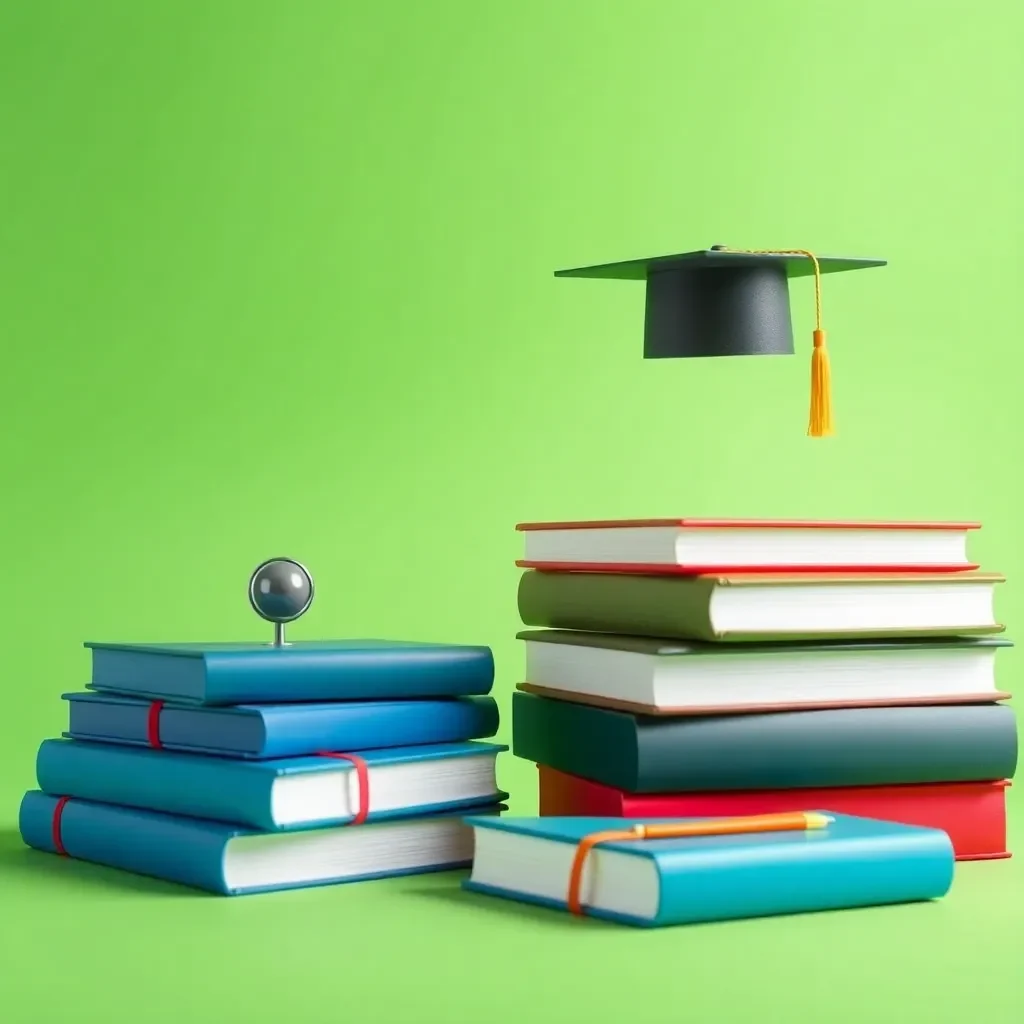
{"x": 707, "y": 546}
{"x": 973, "y": 814}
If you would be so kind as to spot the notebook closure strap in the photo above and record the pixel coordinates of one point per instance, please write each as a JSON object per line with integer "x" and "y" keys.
{"x": 362, "y": 778}
{"x": 153, "y": 725}
{"x": 58, "y": 814}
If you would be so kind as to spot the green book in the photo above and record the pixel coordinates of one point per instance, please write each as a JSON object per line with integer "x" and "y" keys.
{"x": 762, "y": 607}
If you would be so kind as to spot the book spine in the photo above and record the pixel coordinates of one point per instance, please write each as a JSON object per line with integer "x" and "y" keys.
{"x": 581, "y": 740}
{"x": 657, "y": 606}
{"x": 568, "y": 796}
{"x": 302, "y": 675}
{"x": 130, "y": 671}
{"x": 830, "y": 748}
{"x": 355, "y": 675}
{"x": 972, "y": 814}
{"x": 167, "y": 848}
{"x": 906, "y": 868}
{"x": 212, "y": 788}
{"x": 782, "y": 750}
{"x": 284, "y": 730}
{"x": 377, "y": 725}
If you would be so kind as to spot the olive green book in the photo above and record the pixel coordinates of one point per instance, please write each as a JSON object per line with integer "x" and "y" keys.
{"x": 763, "y": 607}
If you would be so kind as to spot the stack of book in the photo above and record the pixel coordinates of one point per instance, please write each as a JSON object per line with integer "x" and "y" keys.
{"x": 242, "y": 768}
{"x": 713, "y": 668}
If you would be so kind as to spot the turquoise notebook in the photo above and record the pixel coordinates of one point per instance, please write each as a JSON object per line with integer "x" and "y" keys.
{"x": 854, "y": 862}
{"x": 279, "y": 794}
{"x": 222, "y": 674}
{"x": 233, "y": 861}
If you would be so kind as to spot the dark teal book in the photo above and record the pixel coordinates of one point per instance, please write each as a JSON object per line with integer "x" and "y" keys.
{"x": 853, "y": 862}
{"x": 311, "y": 670}
{"x": 779, "y": 750}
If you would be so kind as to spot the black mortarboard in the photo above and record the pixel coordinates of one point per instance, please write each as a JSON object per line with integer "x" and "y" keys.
{"x": 730, "y": 302}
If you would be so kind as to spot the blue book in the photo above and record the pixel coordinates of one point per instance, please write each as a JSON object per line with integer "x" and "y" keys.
{"x": 854, "y": 862}
{"x": 318, "y": 670}
{"x": 235, "y": 861}
{"x": 279, "y": 730}
{"x": 279, "y": 795}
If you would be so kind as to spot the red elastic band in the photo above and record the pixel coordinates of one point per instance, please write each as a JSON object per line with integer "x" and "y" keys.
{"x": 153, "y": 724}
{"x": 362, "y": 777}
{"x": 58, "y": 813}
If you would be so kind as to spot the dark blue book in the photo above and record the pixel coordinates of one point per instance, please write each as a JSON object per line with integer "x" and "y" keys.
{"x": 234, "y": 861}
{"x": 316, "y": 670}
{"x": 278, "y": 730}
{"x": 291, "y": 793}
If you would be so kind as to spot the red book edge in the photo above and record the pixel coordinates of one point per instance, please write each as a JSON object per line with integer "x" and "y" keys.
{"x": 669, "y": 569}
{"x": 972, "y": 814}
{"x": 753, "y": 524}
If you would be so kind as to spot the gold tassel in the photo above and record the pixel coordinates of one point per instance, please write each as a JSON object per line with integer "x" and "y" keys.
{"x": 820, "y": 424}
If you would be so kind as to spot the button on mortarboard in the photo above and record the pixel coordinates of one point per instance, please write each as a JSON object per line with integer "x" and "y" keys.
{"x": 731, "y": 302}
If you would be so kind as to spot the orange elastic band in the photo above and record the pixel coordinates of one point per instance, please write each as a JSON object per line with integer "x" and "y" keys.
{"x": 362, "y": 777}
{"x": 586, "y": 844}
{"x": 753, "y": 823}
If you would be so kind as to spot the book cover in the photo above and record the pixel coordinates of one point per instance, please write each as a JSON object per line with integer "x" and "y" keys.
{"x": 693, "y": 546}
{"x": 779, "y": 750}
{"x": 854, "y": 862}
{"x": 231, "y": 861}
{"x": 761, "y": 606}
{"x": 278, "y": 795}
{"x": 266, "y": 731}
{"x": 328, "y": 670}
{"x": 972, "y": 814}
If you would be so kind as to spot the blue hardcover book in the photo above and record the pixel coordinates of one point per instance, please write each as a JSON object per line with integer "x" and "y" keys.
{"x": 279, "y": 730}
{"x": 854, "y": 862}
{"x": 235, "y": 861}
{"x": 317, "y": 670}
{"x": 279, "y": 795}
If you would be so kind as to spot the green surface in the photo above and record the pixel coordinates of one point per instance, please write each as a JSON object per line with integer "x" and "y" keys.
{"x": 419, "y": 949}
{"x": 277, "y": 278}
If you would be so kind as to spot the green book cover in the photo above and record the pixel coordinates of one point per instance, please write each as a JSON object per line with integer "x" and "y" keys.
{"x": 702, "y": 607}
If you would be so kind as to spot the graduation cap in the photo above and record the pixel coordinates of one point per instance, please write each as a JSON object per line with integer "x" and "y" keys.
{"x": 731, "y": 302}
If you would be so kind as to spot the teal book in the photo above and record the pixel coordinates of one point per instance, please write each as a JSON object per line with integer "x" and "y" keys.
{"x": 267, "y": 731}
{"x": 853, "y": 862}
{"x": 874, "y": 746}
{"x": 279, "y": 794}
{"x": 230, "y": 860}
{"x": 219, "y": 674}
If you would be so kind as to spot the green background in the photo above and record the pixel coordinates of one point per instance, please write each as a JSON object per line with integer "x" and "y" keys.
{"x": 276, "y": 278}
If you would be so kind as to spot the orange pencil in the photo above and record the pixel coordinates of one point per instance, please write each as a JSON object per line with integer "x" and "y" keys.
{"x": 748, "y": 825}
{"x": 798, "y": 820}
